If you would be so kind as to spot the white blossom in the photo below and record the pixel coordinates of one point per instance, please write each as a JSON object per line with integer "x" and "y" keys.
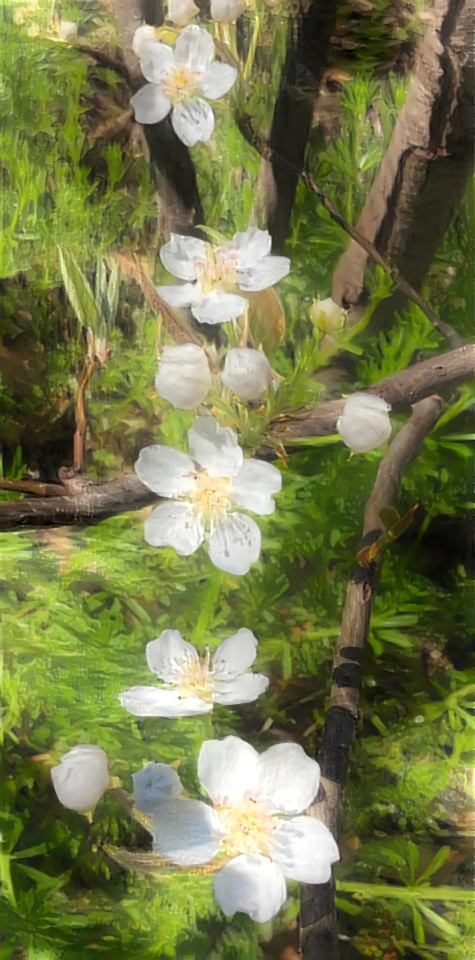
{"x": 181, "y": 11}
{"x": 227, "y": 11}
{"x": 183, "y": 377}
{"x": 143, "y": 35}
{"x": 212, "y": 274}
{"x": 327, "y": 315}
{"x": 192, "y": 684}
{"x": 81, "y": 777}
{"x": 247, "y": 372}
{"x": 364, "y": 423}
{"x": 203, "y": 487}
{"x": 155, "y": 783}
{"x": 176, "y": 78}
{"x": 255, "y": 820}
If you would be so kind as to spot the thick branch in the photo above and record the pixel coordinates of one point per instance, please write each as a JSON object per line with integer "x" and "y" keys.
{"x": 318, "y": 927}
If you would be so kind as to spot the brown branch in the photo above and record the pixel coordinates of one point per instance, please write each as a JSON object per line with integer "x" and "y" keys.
{"x": 267, "y": 153}
{"x": 318, "y": 927}
{"x": 36, "y": 487}
{"x": 92, "y": 503}
{"x": 80, "y": 415}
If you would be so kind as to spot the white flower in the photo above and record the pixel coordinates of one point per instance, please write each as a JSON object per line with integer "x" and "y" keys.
{"x": 81, "y": 777}
{"x": 253, "y": 820}
{"x": 227, "y": 11}
{"x": 157, "y": 781}
{"x": 203, "y": 486}
{"x": 176, "y": 77}
{"x": 364, "y": 423}
{"x": 212, "y": 274}
{"x": 247, "y": 372}
{"x": 327, "y": 315}
{"x": 181, "y": 11}
{"x": 143, "y": 36}
{"x": 183, "y": 376}
{"x": 192, "y": 683}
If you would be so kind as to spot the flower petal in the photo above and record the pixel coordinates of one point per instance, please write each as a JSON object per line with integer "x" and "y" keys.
{"x": 156, "y": 782}
{"x": 166, "y": 471}
{"x": 183, "y": 376}
{"x": 156, "y": 61}
{"x": 250, "y": 884}
{"x": 142, "y": 37}
{"x": 81, "y": 777}
{"x": 186, "y": 832}
{"x": 174, "y": 525}
{"x": 156, "y": 702}
{"x": 219, "y": 307}
{"x": 365, "y": 422}
{"x": 235, "y": 544}
{"x": 181, "y": 11}
{"x": 194, "y": 49}
{"x": 254, "y": 485}
{"x": 288, "y": 778}
{"x": 181, "y": 294}
{"x": 215, "y": 448}
{"x": 179, "y": 255}
{"x": 247, "y": 372}
{"x": 244, "y": 689}
{"x": 169, "y": 656}
{"x": 193, "y": 120}
{"x": 227, "y": 11}
{"x": 304, "y": 849}
{"x": 249, "y": 246}
{"x": 228, "y": 769}
{"x": 150, "y": 104}
{"x": 264, "y": 273}
{"x": 217, "y": 79}
{"x": 234, "y": 655}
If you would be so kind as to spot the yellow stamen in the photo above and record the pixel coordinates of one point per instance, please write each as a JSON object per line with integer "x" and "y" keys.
{"x": 248, "y": 827}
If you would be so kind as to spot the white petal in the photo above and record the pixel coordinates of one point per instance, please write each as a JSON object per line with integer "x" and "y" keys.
{"x": 215, "y": 448}
{"x": 250, "y": 246}
{"x": 156, "y": 62}
{"x": 254, "y": 485}
{"x": 181, "y": 11}
{"x": 228, "y": 769}
{"x": 166, "y": 471}
{"x": 247, "y": 372}
{"x": 304, "y": 849}
{"x": 174, "y": 525}
{"x": 194, "y": 49}
{"x": 143, "y": 36}
{"x": 252, "y": 885}
{"x": 219, "y": 307}
{"x": 183, "y": 376}
{"x": 235, "y": 544}
{"x": 170, "y": 655}
{"x": 181, "y": 294}
{"x": 365, "y": 422}
{"x": 227, "y": 11}
{"x": 186, "y": 832}
{"x": 235, "y": 655}
{"x": 81, "y": 777}
{"x": 217, "y": 79}
{"x": 264, "y": 273}
{"x": 156, "y": 782}
{"x": 288, "y": 778}
{"x": 193, "y": 120}
{"x": 179, "y": 255}
{"x": 244, "y": 689}
{"x": 156, "y": 702}
{"x": 150, "y": 104}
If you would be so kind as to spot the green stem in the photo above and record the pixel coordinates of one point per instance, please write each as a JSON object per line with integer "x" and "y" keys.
{"x": 387, "y": 892}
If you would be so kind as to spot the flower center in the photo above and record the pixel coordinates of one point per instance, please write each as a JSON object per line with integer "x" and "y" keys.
{"x": 209, "y": 496}
{"x": 214, "y": 270}
{"x": 180, "y": 83}
{"x": 248, "y": 827}
{"x": 197, "y": 680}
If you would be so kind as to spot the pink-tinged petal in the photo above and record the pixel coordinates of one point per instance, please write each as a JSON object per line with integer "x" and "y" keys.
{"x": 194, "y": 49}
{"x": 249, "y": 246}
{"x": 166, "y": 471}
{"x": 254, "y": 486}
{"x": 187, "y": 832}
{"x": 235, "y": 544}
{"x": 217, "y": 79}
{"x": 179, "y": 256}
{"x": 250, "y": 884}
{"x": 288, "y": 778}
{"x": 174, "y": 525}
{"x": 243, "y": 689}
{"x": 218, "y": 307}
{"x": 156, "y": 702}
{"x": 228, "y": 769}
{"x": 265, "y": 273}
{"x": 235, "y": 655}
{"x": 215, "y": 448}
{"x": 156, "y": 62}
{"x": 150, "y": 104}
{"x": 193, "y": 120}
{"x": 169, "y": 656}
{"x": 155, "y": 783}
{"x": 304, "y": 849}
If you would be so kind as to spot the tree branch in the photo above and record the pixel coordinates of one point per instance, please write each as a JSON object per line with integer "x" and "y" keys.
{"x": 318, "y": 928}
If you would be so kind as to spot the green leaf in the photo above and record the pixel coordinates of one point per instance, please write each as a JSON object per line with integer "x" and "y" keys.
{"x": 79, "y": 291}
{"x": 435, "y": 864}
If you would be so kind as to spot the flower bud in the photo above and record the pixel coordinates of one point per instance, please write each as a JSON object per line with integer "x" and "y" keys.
{"x": 327, "y": 316}
{"x": 181, "y": 11}
{"x": 142, "y": 36}
{"x": 227, "y": 11}
{"x": 247, "y": 372}
{"x": 81, "y": 777}
{"x": 183, "y": 376}
{"x": 365, "y": 422}
{"x": 155, "y": 783}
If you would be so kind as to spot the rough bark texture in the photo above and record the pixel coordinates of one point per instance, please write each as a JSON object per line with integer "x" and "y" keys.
{"x": 318, "y": 927}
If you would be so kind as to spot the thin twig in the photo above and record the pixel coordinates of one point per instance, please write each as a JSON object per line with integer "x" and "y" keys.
{"x": 36, "y": 487}
{"x": 245, "y": 126}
